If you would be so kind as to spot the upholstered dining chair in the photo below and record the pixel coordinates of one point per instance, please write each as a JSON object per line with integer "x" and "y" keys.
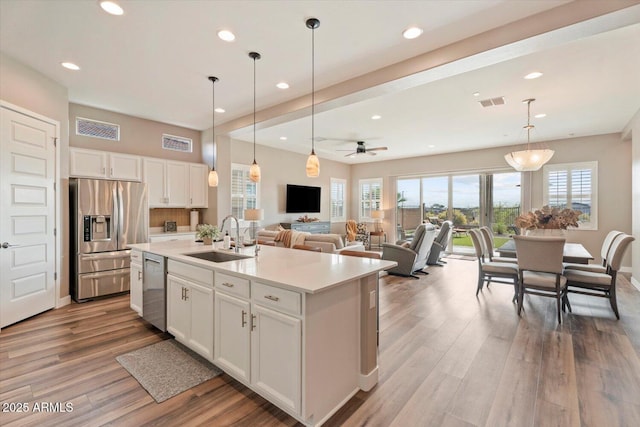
{"x": 540, "y": 269}
{"x": 607, "y": 244}
{"x": 487, "y": 234}
{"x": 601, "y": 284}
{"x": 492, "y": 271}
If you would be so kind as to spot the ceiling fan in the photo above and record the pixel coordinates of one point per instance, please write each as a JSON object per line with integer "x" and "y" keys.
{"x": 362, "y": 149}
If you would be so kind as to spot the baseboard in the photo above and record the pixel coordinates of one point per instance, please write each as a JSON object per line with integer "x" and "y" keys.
{"x": 635, "y": 283}
{"x": 61, "y": 302}
{"x": 626, "y": 270}
{"x": 367, "y": 381}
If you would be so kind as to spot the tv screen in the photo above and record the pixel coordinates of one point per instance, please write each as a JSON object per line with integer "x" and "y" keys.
{"x": 302, "y": 199}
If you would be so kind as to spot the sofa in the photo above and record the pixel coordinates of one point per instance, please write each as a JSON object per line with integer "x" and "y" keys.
{"x": 328, "y": 243}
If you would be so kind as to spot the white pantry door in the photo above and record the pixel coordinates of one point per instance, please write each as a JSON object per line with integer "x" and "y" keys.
{"x": 27, "y": 216}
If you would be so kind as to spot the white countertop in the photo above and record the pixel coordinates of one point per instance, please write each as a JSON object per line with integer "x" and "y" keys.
{"x": 302, "y": 271}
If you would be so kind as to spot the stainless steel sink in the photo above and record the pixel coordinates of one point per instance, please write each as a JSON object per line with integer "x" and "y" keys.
{"x": 215, "y": 256}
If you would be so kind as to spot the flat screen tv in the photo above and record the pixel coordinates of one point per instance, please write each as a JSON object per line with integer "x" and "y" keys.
{"x": 303, "y": 199}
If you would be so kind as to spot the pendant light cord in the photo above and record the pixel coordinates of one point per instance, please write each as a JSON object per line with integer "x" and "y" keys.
{"x": 254, "y": 109}
{"x": 213, "y": 122}
{"x": 313, "y": 89}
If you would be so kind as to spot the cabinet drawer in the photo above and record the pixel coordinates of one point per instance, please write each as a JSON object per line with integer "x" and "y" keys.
{"x": 136, "y": 256}
{"x": 188, "y": 271}
{"x": 232, "y": 285}
{"x": 280, "y": 299}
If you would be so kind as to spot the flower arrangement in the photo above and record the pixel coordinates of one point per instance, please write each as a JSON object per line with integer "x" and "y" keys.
{"x": 305, "y": 218}
{"x": 207, "y": 231}
{"x": 548, "y": 218}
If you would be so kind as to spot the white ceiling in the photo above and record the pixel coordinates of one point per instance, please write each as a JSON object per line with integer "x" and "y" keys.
{"x": 153, "y": 63}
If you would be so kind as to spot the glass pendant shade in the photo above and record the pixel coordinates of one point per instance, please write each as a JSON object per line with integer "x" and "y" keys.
{"x": 213, "y": 178}
{"x": 254, "y": 172}
{"x": 528, "y": 160}
{"x": 313, "y": 166}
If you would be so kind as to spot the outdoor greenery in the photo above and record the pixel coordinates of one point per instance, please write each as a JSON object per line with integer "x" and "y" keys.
{"x": 465, "y": 240}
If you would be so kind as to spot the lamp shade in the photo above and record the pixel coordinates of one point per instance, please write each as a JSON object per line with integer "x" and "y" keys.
{"x": 213, "y": 178}
{"x": 254, "y": 172}
{"x": 253, "y": 214}
{"x": 377, "y": 214}
{"x": 313, "y": 166}
{"x": 528, "y": 160}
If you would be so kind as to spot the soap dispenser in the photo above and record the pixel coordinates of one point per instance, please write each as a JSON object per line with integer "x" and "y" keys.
{"x": 227, "y": 241}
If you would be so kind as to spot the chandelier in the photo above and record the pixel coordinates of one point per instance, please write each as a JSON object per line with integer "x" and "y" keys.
{"x": 528, "y": 160}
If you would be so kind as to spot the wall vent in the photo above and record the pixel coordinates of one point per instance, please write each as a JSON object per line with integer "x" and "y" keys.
{"x": 490, "y": 102}
{"x": 97, "y": 129}
{"x": 177, "y": 143}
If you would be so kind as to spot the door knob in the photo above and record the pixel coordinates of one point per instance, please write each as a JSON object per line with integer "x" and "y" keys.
{"x": 6, "y": 245}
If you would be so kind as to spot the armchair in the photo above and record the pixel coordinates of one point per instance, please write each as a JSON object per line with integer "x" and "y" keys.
{"x": 411, "y": 259}
{"x": 357, "y": 232}
{"x": 440, "y": 244}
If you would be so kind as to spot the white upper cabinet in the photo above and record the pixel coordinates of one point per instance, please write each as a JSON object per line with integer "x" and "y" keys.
{"x": 103, "y": 164}
{"x": 167, "y": 183}
{"x": 198, "y": 186}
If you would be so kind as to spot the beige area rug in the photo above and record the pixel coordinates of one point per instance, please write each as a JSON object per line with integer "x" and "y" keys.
{"x": 167, "y": 368}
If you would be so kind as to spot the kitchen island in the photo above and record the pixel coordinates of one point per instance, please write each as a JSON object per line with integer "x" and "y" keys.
{"x": 297, "y": 327}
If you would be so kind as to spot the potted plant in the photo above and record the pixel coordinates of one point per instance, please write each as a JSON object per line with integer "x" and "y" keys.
{"x": 208, "y": 233}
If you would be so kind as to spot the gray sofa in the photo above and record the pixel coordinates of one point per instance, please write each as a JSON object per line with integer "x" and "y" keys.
{"x": 329, "y": 243}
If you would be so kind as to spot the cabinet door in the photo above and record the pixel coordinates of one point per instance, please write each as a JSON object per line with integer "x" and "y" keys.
{"x": 135, "y": 292}
{"x": 155, "y": 177}
{"x": 276, "y": 357}
{"x": 201, "y": 337}
{"x": 87, "y": 163}
{"x": 125, "y": 167}
{"x": 177, "y": 184}
{"x": 198, "y": 186}
{"x": 178, "y": 316}
{"x": 232, "y": 336}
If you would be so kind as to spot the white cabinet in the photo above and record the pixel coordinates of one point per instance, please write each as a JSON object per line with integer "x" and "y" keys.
{"x": 135, "y": 292}
{"x": 190, "y": 307}
{"x": 257, "y": 344}
{"x": 167, "y": 183}
{"x": 104, "y": 165}
{"x": 198, "y": 186}
{"x": 171, "y": 237}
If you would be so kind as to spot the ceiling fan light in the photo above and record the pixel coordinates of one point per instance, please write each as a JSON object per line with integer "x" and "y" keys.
{"x": 254, "y": 172}
{"x": 213, "y": 178}
{"x": 313, "y": 165}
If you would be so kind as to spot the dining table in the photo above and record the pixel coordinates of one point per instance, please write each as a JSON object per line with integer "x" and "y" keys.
{"x": 573, "y": 252}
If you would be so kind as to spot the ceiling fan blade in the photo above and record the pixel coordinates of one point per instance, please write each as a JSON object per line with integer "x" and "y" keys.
{"x": 377, "y": 149}
{"x": 370, "y": 153}
{"x": 350, "y": 149}
{"x": 351, "y": 154}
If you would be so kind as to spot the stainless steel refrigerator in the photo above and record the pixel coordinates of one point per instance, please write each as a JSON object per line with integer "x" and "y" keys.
{"x": 106, "y": 216}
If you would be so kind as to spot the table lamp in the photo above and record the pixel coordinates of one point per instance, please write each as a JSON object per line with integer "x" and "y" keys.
{"x": 253, "y": 215}
{"x": 378, "y": 216}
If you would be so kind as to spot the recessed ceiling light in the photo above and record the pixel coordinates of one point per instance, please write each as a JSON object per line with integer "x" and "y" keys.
{"x": 476, "y": 93}
{"x": 283, "y": 138}
{"x": 533, "y": 75}
{"x": 412, "y": 33}
{"x": 219, "y": 110}
{"x": 431, "y": 146}
{"x": 376, "y": 117}
{"x": 226, "y": 35}
{"x": 282, "y": 85}
{"x": 70, "y": 66}
{"x": 111, "y": 7}
{"x": 539, "y": 116}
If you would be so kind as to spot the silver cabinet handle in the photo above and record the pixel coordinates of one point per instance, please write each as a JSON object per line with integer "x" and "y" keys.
{"x": 182, "y": 296}
{"x": 272, "y": 298}
{"x": 244, "y": 318}
{"x": 227, "y": 284}
{"x": 253, "y": 322}
{"x": 111, "y": 171}
{"x": 139, "y": 275}
{"x": 104, "y": 170}
{"x": 186, "y": 294}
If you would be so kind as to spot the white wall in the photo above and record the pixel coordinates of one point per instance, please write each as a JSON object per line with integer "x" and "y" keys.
{"x": 614, "y": 172}
{"x": 634, "y": 128}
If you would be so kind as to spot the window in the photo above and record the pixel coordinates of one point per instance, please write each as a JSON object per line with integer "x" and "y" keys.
{"x": 244, "y": 192}
{"x": 338, "y": 187}
{"x": 177, "y": 143}
{"x": 370, "y": 198}
{"x": 97, "y": 129}
{"x": 574, "y": 186}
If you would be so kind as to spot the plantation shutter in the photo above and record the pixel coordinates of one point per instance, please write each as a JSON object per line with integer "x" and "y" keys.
{"x": 573, "y": 186}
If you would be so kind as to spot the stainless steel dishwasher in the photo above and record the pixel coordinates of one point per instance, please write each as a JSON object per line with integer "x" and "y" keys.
{"x": 154, "y": 290}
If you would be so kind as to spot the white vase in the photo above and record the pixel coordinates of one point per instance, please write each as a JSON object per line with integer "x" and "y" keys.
{"x": 547, "y": 232}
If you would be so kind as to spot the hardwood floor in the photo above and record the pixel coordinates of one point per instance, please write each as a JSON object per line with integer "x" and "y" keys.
{"x": 446, "y": 358}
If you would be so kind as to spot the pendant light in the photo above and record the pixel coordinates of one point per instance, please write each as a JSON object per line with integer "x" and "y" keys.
{"x": 213, "y": 175}
{"x": 529, "y": 160}
{"x": 313, "y": 163}
{"x": 254, "y": 171}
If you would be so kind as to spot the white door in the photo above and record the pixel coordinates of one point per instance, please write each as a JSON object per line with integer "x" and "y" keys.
{"x": 27, "y": 216}
{"x": 276, "y": 357}
{"x": 178, "y": 316}
{"x": 135, "y": 287}
{"x": 201, "y": 338}
{"x": 231, "y": 337}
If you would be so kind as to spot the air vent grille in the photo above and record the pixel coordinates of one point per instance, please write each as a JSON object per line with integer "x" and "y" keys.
{"x": 97, "y": 129}
{"x": 177, "y": 143}
{"x": 490, "y": 102}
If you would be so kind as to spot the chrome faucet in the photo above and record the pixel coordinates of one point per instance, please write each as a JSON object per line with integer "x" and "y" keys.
{"x": 238, "y": 241}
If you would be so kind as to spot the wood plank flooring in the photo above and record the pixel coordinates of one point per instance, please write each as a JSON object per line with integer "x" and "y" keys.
{"x": 446, "y": 358}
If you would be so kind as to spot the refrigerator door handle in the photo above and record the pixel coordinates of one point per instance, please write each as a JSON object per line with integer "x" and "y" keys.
{"x": 120, "y": 213}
